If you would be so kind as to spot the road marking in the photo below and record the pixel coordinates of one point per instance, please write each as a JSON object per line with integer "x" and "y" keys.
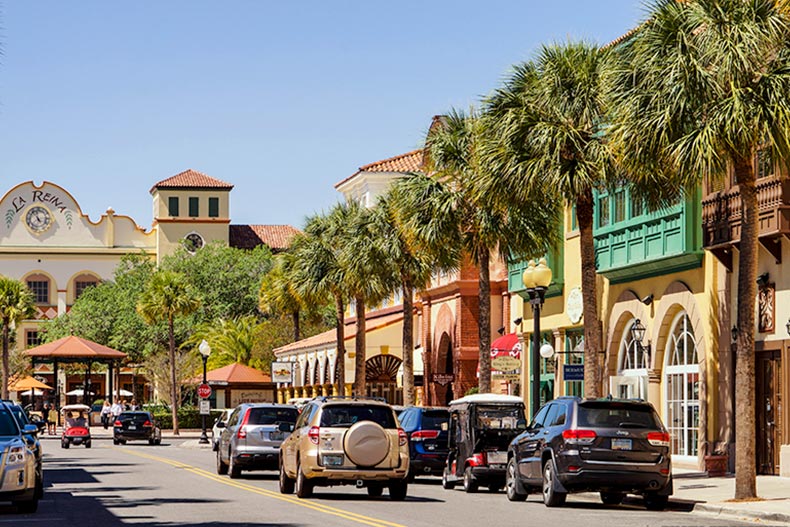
{"x": 320, "y": 507}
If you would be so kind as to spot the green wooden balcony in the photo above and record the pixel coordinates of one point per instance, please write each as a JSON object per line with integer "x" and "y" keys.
{"x": 554, "y": 260}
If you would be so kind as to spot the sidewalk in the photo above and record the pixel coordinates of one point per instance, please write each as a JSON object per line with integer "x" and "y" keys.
{"x": 714, "y": 496}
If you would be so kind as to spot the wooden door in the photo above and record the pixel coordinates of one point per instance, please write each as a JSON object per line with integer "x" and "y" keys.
{"x": 768, "y": 405}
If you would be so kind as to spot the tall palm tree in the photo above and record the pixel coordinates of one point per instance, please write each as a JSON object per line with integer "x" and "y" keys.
{"x": 452, "y": 205}
{"x": 698, "y": 90}
{"x": 231, "y": 340}
{"x": 168, "y": 296}
{"x": 548, "y": 116}
{"x": 279, "y": 292}
{"x": 16, "y": 304}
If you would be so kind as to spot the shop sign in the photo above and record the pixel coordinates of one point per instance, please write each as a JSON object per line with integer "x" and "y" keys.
{"x": 573, "y": 372}
{"x": 443, "y": 379}
{"x": 282, "y": 371}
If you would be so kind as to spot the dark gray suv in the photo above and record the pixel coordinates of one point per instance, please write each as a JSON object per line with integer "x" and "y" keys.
{"x": 609, "y": 446}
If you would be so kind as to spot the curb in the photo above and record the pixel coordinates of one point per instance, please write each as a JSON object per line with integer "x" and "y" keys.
{"x": 723, "y": 510}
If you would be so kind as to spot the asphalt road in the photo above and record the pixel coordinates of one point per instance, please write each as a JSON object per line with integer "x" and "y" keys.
{"x": 170, "y": 485}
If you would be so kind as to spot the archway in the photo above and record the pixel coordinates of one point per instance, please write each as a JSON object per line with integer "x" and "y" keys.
{"x": 381, "y": 374}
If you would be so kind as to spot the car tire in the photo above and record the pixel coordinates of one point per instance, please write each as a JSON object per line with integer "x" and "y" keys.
{"x": 304, "y": 487}
{"x": 39, "y": 487}
{"x": 656, "y": 502}
{"x": 234, "y": 470}
{"x": 214, "y": 446}
{"x": 158, "y": 441}
{"x": 398, "y": 489}
{"x": 551, "y": 498}
{"x": 222, "y": 467}
{"x": 27, "y": 507}
{"x": 286, "y": 483}
{"x": 612, "y": 498}
{"x": 88, "y": 444}
{"x": 374, "y": 490}
{"x": 470, "y": 482}
{"x": 123, "y": 441}
{"x": 446, "y": 483}
{"x": 512, "y": 485}
{"x": 64, "y": 444}
{"x": 151, "y": 442}
{"x": 114, "y": 441}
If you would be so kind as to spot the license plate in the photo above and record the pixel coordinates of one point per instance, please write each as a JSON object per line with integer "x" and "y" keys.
{"x": 496, "y": 457}
{"x": 622, "y": 444}
{"x": 497, "y": 466}
{"x": 430, "y": 447}
{"x": 276, "y": 436}
{"x": 132, "y": 427}
{"x": 333, "y": 460}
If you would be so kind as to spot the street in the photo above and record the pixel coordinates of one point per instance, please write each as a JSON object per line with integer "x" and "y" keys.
{"x": 171, "y": 485}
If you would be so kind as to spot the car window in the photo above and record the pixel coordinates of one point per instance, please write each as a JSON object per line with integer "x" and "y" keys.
{"x": 539, "y": 419}
{"x": 435, "y": 419}
{"x": 406, "y": 419}
{"x": 551, "y": 415}
{"x": 136, "y": 417}
{"x": 342, "y": 415}
{"x": 8, "y": 426}
{"x": 559, "y": 416}
{"x": 234, "y": 417}
{"x": 271, "y": 416}
{"x": 617, "y": 415}
{"x": 499, "y": 417}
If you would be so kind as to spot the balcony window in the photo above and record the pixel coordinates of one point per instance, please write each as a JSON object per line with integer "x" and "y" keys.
{"x": 40, "y": 289}
{"x": 619, "y": 206}
{"x": 213, "y": 207}
{"x": 765, "y": 163}
{"x": 81, "y": 285}
{"x": 32, "y": 338}
{"x": 172, "y": 206}
{"x": 603, "y": 211}
{"x": 194, "y": 207}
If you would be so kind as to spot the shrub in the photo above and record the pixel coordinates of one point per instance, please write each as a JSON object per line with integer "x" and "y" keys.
{"x": 188, "y": 417}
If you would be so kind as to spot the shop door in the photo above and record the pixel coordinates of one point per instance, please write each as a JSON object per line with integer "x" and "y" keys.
{"x": 769, "y": 401}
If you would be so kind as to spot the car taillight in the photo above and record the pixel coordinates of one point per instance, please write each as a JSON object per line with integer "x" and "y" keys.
{"x": 242, "y": 433}
{"x": 117, "y": 423}
{"x": 422, "y": 435}
{"x": 313, "y": 434}
{"x": 403, "y": 439}
{"x": 148, "y": 424}
{"x": 584, "y": 437}
{"x": 478, "y": 460}
{"x": 658, "y": 438}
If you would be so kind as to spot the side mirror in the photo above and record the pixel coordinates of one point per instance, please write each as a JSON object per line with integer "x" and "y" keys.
{"x": 221, "y": 424}
{"x": 286, "y": 427}
{"x": 30, "y": 429}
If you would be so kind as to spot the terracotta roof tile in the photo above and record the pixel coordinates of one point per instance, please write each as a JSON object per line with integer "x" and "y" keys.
{"x": 235, "y": 374}
{"x": 328, "y": 337}
{"x": 408, "y": 162}
{"x": 74, "y": 348}
{"x": 276, "y": 237}
{"x": 192, "y": 179}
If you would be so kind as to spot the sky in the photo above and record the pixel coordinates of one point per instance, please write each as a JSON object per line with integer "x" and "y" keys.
{"x": 282, "y": 99}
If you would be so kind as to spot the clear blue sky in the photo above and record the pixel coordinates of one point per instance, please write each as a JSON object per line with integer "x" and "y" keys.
{"x": 282, "y": 99}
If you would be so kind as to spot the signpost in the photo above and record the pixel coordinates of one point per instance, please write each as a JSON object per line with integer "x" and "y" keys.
{"x": 443, "y": 379}
{"x": 204, "y": 391}
{"x": 281, "y": 371}
{"x": 205, "y": 407}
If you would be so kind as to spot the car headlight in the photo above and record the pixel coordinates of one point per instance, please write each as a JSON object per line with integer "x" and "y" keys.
{"x": 16, "y": 454}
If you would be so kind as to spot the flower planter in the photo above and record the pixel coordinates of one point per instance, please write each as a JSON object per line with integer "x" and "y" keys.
{"x": 716, "y": 465}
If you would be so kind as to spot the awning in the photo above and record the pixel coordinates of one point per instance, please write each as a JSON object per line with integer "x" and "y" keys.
{"x": 507, "y": 348}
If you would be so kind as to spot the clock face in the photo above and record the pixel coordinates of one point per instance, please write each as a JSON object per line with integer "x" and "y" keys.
{"x": 193, "y": 241}
{"x": 38, "y": 219}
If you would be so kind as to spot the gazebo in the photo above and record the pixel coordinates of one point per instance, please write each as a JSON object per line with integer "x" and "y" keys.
{"x": 237, "y": 383}
{"x": 75, "y": 350}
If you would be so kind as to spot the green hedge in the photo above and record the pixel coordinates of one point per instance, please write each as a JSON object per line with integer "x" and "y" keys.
{"x": 188, "y": 417}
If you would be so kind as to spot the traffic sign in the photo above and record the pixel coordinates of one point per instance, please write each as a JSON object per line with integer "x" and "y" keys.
{"x": 204, "y": 391}
{"x": 205, "y": 407}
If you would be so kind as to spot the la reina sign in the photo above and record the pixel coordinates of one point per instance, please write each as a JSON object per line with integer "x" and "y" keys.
{"x": 34, "y": 207}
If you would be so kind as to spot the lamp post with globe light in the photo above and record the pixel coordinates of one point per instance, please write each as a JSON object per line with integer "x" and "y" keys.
{"x": 537, "y": 278}
{"x": 205, "y": 351}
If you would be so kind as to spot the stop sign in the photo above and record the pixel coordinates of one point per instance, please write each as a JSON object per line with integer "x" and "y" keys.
{"x": 204, "y": 391}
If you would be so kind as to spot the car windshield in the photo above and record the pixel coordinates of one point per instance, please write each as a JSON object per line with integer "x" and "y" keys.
{"x": 343, "y": 415}
{"x": 8, "y": 426}
{"x": 435, "y": 419}
{"x": 617, "y": 415}
{"x": 272, "y": 416}
{"x": 500, "y": 417}
{"x": 137, "y": 417}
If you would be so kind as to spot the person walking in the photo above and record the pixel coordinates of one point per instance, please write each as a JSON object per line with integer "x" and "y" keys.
{"x": 106, "y": 412}
{"x": 52, "y": 420}
{"x": 116, "y": 409}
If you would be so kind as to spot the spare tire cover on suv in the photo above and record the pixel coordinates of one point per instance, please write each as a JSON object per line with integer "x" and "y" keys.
{"x": 366, "y": 443}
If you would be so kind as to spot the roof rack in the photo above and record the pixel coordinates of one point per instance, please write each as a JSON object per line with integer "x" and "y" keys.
{"x": 349, "y": 398}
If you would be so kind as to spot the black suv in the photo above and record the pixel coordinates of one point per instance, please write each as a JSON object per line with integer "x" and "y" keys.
{"x": 609, "y": 446}
{"x": 427, "y": 431}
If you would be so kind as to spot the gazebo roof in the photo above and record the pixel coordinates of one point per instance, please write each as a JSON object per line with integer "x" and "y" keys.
{"x": 74, "y": 348}
{"x": 235, "y": 374}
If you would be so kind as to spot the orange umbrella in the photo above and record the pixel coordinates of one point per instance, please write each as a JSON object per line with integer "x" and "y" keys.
{"x": 29, "y": 383}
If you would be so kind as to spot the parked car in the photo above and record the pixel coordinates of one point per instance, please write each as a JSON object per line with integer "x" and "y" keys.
{"x": 19, "y": 482}
{"x": 252, "y": 436}
{"x": 609, "y": 446}
{"x": 346, "y": 441}
{"x": 481, "y": 428}
{"x": 138, "y": 425}
{"x": 31, "y": 438}
{"x": 427, "y": 429}
{"x": 216, "y": 430}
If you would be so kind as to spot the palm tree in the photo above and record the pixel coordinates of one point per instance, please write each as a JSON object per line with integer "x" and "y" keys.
{"x": 412, "y": 262}
{"x": 452, "y": 207}
{"x": 167, "y": 296}
{"x": 698, "y": 90}
{"x": 16, "y": 304}
{"x": 231, "y": 340}
{"x": 548, "y": 116}
{"x": 279, "y": 292}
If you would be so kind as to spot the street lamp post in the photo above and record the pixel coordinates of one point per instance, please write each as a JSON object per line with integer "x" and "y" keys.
{"x": 536, "y": 279}
{"x": 205, "y": 351}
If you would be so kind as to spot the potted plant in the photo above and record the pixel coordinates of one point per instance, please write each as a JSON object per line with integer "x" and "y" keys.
{"x": 717, "y": 461}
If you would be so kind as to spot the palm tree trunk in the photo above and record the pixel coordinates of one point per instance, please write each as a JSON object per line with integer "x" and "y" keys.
{"x": 295, "y": 317}
{"x": 359, "y": 350}
{"x": 408, "y": 339}
{"x": 340, "y": 336}
{"x": 6, "y": 337}
{"x": 173, "y": 386}
{"x": 592, "y": 326}
{"x": 745, "y": 455}
{"x": 484, "y": 322}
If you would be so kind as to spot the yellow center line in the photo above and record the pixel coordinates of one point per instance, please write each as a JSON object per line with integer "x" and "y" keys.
{"x": 319, "y": 507}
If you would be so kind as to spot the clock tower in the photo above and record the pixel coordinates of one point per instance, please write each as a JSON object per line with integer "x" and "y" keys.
{"x": 191, "y": 209}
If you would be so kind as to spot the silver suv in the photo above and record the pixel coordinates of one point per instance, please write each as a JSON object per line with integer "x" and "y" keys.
{"x": 18, "y": 479}
{"x": 345, "y": 441}
{"x": 251, "y": 438}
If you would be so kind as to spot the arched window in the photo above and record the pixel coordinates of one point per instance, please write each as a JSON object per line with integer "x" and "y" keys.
{"x": 633, "y": 361}
{"x": 40, "y": 285}
{"x": 682, "y": 387}
{"x": 83, "y": 282}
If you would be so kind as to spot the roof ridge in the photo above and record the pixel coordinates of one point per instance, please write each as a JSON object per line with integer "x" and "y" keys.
{"x": 393, "y": 158}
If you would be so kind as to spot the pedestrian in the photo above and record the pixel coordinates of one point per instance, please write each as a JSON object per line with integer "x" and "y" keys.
{"x": 106, "y": 412}
{"x": 116, "y": 409}
{"x": 133, "y": 405}
{"x": 52, "y": 420}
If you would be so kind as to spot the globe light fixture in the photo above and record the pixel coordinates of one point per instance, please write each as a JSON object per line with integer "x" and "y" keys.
{"x": 537, "y": 278}
{"x": 205, "y": 350}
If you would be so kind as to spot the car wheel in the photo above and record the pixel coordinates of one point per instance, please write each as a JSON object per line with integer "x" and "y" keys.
{"x": 656, "y": 502}
{"x": 374, "y": 491}
{"x": 123, "y": 441}
{"x": 612, "y": 498}
{"x": 114, "y": 441}
{"x": 398, "y": 489}
{"x": 214, "y": 446}
{"x": 222, "y": 467}
{"x": 551, "y": 498}
{"x": 158, "y": 441}
{"x": 88, "y": 444}
{"x": 27, "y": 507}
{"x": 511, "y": 484}
{"x": 234, "y": 470}
{"x": 286, "y": 483}
{"x": 304, "y": 487}
{"x": 470, "y": 482}
{"x": 39, "y": 487}
{"x": 64, "y": 444}
{"x": 151, "y": 442}
{"x": 446, "y": 483}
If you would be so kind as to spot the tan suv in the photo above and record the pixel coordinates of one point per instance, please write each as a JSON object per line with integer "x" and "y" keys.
{"x": 345, "y": 441}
